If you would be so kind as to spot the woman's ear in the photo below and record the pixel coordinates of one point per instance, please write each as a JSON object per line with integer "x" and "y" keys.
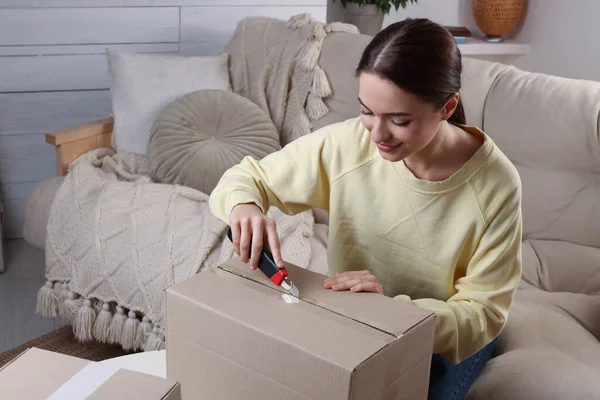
{"x": 450, "y": 106}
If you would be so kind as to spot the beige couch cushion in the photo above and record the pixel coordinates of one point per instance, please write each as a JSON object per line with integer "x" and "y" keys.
{"x": 201, "y": 135}
{"x": 37, "y": 211}
{"x": 536, "y": 374}
{"x": 477, "y": 80}
{"x": 548, "y": 127}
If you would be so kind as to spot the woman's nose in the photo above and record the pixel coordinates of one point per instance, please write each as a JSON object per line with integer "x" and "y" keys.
{"x": 379, "y": 133}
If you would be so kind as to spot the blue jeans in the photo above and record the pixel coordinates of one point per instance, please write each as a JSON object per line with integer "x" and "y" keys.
{"x": 452, "y": 382}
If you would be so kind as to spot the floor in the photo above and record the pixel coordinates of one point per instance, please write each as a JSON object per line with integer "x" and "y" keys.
{"x": 23, "y": 276}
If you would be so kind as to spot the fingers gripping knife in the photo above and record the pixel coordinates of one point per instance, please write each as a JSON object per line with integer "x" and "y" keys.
{"x": 279, "y": 276}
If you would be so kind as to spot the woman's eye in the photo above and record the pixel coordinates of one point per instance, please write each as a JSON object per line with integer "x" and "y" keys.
{"x": 402, "y": 124}
{"x": 365, "y": 112}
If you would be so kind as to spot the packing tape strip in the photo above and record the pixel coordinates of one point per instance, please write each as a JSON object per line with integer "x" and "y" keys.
{"x": 248, "y": 281}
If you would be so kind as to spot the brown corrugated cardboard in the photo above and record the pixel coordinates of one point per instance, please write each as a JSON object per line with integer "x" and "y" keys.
{"x": 40, "y": 374}
{"x": 231, "y": 335}
{"x": 36, "y": 374}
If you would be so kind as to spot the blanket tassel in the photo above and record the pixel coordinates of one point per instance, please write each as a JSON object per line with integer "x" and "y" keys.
{"x": 320, "y": 84}
{"x": 83, "y": 325}
{"x": 130, "y": 332}
{"x": 154, "y": 341}
{"x": 316, "y": 107}
{"x": 309, "y": 55}
{"x": 46, "y": 301}
{"x": 102, "y": 325}
{"x": 115, "y": 331}
{"x": 70, "y": 306}
{"x": 143, "y": 331}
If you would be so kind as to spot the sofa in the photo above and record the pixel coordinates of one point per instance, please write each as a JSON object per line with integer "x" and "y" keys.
{"x": 550, "y": 129}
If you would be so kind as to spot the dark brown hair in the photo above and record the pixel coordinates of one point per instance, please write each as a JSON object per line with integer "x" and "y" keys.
{"x": 419, "y": 56}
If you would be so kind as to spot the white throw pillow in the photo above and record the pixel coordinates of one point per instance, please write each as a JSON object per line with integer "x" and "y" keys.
{"x": 142, "y": 85}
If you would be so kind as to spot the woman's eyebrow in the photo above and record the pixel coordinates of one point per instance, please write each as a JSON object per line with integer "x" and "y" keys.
{"x": 394, "y": 114}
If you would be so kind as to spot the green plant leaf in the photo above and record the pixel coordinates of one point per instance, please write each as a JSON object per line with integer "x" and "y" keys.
{"x": 384, "y": 5}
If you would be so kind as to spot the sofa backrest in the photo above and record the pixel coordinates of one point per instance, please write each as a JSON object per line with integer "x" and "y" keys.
{"x": 548, "y": 127}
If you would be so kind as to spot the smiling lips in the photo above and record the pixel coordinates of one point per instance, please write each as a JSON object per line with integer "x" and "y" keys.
{"x": 387, "y": 148}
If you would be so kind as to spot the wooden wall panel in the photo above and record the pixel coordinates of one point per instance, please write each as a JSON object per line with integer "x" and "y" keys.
{"x": 61, "y": 50}
{"x": 25, "y": 158}
{"x": 152, "y": 3}
{"x": 27, "y": 113}
{"x": 61, "y": 72}
{"x": 89, "y": 25}
{"x": 203, "y": 24}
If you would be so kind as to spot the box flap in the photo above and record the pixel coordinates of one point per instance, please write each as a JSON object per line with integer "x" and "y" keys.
{"x": 219, "y": 298}
{"x": 50, "y": 370}
{"x": 131, "y": 385}
{"x": 372, "y": 309}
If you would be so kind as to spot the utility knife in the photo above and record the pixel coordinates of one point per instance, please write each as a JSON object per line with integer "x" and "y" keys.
{"x": 266, "y": 263}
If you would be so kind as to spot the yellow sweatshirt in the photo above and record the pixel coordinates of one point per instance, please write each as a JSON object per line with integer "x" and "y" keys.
{"x": 452, "y": 247}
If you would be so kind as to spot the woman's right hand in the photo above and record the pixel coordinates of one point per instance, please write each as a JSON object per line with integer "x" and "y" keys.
{"x": 249, "y": 224}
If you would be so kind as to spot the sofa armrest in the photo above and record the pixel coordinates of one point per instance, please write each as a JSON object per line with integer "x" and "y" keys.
{"x": 72, "y": 142}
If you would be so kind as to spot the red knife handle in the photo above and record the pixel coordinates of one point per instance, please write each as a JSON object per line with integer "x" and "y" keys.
{"x": 267, "y": 264}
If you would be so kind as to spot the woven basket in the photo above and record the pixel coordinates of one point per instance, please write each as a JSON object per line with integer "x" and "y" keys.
{"x": 496, "y": 18}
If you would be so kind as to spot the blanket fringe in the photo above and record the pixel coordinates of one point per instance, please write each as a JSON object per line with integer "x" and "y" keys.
{"x": 115, "y": 331}
{"x": 316, "y": 107}
{"x": 47, "y": 302}
{"x": 102, "y": 324}
{"x": 144, "y": 330}
{"x": 320, "y": 83}
{"x": 93, "y": 319}
{"x": 70, "y": 306}
{"x": 155, "y": 341}
{"x": 130, "y": 332}
{"x": 83, "y": 326}
{"x": 308, "y": 59}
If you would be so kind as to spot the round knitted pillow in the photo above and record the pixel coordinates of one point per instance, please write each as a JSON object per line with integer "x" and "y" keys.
{"x": 204, "y": 133}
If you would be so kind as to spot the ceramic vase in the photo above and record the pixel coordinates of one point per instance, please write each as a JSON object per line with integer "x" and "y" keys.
{"x": 496, "y": 18}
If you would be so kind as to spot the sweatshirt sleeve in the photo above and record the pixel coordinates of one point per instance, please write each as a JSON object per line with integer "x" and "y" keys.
{"x": 477, "y": 313}
{"x": 293, "y": 179}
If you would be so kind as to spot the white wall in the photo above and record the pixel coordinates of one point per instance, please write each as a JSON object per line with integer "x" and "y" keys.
{"x": 564, "y": 38}
{"x": 445, "y": 12}
{"x": 563, "y": 34}
{"x": 53, "y": 70}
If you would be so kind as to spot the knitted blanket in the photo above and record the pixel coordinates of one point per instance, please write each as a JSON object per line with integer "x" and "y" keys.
{"x": 116, "y": 241}
{"x": 274, "y": 63}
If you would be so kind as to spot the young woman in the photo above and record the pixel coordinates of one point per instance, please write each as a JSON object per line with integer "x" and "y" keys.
{"x": 422, "y": 207}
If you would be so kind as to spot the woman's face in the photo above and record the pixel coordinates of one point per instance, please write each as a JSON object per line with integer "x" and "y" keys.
{"x": 400, "y": 123}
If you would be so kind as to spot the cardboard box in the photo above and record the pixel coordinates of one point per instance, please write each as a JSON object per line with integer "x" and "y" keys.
{"x": 230, "y": 335}
{"x": 40, "y": 374}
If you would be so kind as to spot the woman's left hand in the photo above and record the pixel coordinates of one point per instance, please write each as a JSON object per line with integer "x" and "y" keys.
{"x": 355, "y": 281}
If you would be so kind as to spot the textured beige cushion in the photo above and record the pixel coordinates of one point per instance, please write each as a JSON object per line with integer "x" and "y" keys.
{"x": 37, "y": 211}
{"x": 548, "y": 127}
{"x": 204, "y": 133}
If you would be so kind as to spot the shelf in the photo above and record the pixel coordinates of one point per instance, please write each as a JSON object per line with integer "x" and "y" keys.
{"x": 476, "y": 46}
